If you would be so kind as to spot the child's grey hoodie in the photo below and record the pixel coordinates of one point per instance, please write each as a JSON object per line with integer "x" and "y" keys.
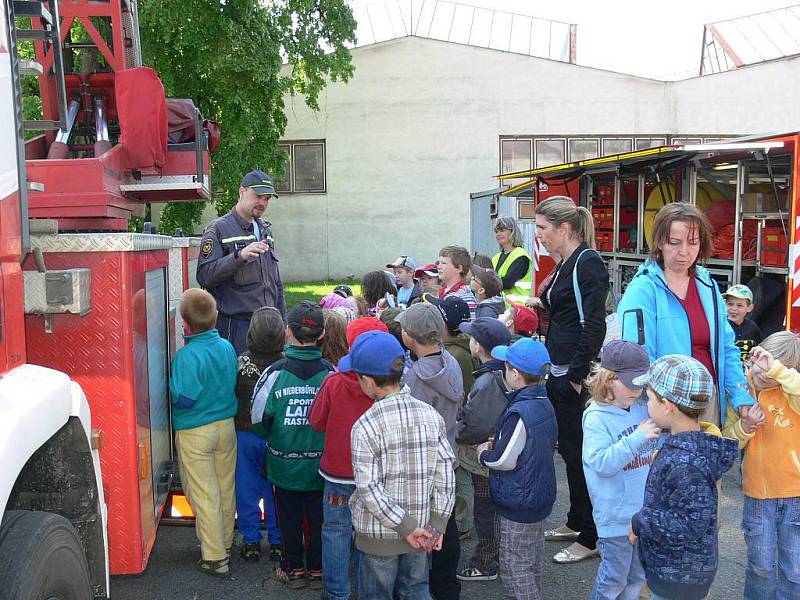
{"x": 436, "y": 380}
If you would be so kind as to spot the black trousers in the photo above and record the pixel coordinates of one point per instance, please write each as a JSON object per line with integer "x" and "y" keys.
{"x": 234, "y": 329}
{"x": 568, "y": 405}
{"x": 442, "y": 580}
{"x": 292, "y": 508}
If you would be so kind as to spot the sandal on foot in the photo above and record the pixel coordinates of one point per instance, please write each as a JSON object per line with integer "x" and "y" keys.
{"x": 574, "y": 553}
{"x": 251, "y": 552}
{"x": 560, "y": 534}
{"x": 296, "y": 579}
{"x": 216, "y": 568}
{"x": 315, "y": 580}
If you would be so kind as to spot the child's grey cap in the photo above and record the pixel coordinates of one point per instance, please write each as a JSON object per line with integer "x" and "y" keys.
{"x": 421, "y": 320}
{"x": 682, "y": 380}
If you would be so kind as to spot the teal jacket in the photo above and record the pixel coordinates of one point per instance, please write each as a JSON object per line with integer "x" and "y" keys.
{"x": 203, "y": 381}
{"x": 281, "y": 403}
{"x": 651, "y": 315}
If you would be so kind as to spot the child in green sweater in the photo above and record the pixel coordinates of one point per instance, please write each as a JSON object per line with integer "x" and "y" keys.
{"x": 281, "y": 403}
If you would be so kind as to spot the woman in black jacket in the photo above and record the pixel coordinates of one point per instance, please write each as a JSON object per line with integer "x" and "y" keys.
{"x": 573, "y": 343}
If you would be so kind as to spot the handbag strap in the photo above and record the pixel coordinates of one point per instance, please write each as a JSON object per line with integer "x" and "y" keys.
{"x": 577, "y": 289}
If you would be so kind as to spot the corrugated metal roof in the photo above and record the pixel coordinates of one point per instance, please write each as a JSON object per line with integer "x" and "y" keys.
{"x": 751, "y": 39}
{"x": 449, "y": 21}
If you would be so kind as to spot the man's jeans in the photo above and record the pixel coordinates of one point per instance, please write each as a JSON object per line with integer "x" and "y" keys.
{"x": 772, "y": 533}
{"x": 620, "y": 575}
{"x": 337, "y": 540}
{"x": 383, "y": 577}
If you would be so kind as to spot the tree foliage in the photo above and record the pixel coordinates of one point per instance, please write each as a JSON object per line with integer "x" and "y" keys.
{"x": 227, "y": 55}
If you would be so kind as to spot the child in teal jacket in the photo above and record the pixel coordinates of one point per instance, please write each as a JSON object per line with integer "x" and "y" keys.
{"x": 203, "y": 385}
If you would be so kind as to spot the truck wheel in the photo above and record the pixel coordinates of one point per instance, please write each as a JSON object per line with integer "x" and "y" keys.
{"x": 41, "y": 558}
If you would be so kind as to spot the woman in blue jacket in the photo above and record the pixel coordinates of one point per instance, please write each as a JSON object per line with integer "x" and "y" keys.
{"x": 673, "y": 306}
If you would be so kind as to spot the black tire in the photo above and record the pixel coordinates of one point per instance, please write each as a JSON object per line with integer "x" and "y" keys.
{"x": 41, "y": 557}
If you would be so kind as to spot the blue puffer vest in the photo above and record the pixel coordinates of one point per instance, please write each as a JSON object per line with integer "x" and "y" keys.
{"x": 527, "y": 494}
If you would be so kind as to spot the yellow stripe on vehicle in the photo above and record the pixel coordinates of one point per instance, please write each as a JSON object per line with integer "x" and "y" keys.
{"x": 608, "y": 160}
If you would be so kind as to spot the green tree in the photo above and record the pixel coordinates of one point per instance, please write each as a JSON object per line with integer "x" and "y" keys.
{"x": 228, "y": 55}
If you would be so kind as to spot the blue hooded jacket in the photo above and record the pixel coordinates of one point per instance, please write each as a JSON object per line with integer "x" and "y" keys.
{"x": 652, "y": 316}
{"x": 677, "y": 526}
{"x": 616, "y": 461}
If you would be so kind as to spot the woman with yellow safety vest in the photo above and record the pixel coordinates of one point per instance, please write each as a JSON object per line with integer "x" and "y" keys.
{"x": 512, "y": 263}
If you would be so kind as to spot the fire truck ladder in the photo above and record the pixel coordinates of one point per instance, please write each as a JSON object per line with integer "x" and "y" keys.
{"x": 46, "y": 12}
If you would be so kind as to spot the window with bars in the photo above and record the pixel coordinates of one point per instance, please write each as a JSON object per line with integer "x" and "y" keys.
{"x": 304, "y": 168}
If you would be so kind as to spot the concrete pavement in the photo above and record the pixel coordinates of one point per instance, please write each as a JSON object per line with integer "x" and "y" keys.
{"x": 171, "y": 573}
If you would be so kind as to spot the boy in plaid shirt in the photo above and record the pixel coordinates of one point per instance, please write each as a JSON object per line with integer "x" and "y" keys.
{"x": 403, "y": 471}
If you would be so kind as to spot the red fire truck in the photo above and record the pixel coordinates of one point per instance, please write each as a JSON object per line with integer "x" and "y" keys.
{"x": 87, "y": 310}
{"x": 747, "y": 186}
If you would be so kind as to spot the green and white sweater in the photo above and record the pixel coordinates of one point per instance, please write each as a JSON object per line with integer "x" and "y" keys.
{"x": 281, "y": 403}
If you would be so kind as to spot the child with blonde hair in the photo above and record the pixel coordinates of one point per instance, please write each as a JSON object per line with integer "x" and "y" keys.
{"x": 771, "y": 468}
{"x": 203, "y": 388}
{"x": 333, "y": 343}
{"x": 619, "y": 439}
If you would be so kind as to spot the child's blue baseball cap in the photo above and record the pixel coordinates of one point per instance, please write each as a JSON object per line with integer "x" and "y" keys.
{"x": 526, "y": 355}
{"x": 372, "y": 353}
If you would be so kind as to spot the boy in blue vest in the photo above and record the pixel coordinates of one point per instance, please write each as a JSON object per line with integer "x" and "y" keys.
{"x": 522, "y": 475}
{"x": 204, "y": 403}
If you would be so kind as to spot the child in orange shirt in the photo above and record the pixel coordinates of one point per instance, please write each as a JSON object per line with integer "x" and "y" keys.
{"x": 771, "y": 470}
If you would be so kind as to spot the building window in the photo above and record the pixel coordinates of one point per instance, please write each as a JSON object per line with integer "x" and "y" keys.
{"x": 550, "y": 152}
{"x": 686, "y": 140}
{"x": 583, "y": 149}
{"x": 526, "y": 209}
{"x": 613, "y": 146}
{"x": 304, "y": 169}
{"x": 515, "y": 155}
{"x": 645, "y": 143}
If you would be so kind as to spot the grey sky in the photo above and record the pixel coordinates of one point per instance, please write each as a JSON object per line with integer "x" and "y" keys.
{"x": 652, "y": 39}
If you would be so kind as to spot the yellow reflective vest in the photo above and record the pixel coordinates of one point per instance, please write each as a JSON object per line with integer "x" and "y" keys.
{"x": 521, "y": 289}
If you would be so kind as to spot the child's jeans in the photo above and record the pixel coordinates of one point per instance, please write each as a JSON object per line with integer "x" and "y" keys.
{"x": 207, "y": 456}
{"x": 620, "y": 575}
{"x": 772, "y": 533}
{"x": 251, "y": 488}
{"x": 294, "y": 509}
{"x": 522, "y": 559}
{"x": 337, "y": 540}
{"x": 381, "y": 577}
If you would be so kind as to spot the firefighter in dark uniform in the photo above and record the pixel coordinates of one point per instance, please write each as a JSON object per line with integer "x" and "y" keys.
{"x": 237, "y": 262}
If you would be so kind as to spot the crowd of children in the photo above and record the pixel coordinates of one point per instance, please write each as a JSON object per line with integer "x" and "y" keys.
{"x": 378, "y": 431}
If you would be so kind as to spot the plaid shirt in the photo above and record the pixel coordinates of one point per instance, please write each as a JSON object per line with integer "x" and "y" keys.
{"x": 403, "y": 470}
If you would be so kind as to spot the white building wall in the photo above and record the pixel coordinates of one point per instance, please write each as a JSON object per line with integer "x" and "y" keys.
{"x": 417, "y": 129}
{"x": 750, "y": 100}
